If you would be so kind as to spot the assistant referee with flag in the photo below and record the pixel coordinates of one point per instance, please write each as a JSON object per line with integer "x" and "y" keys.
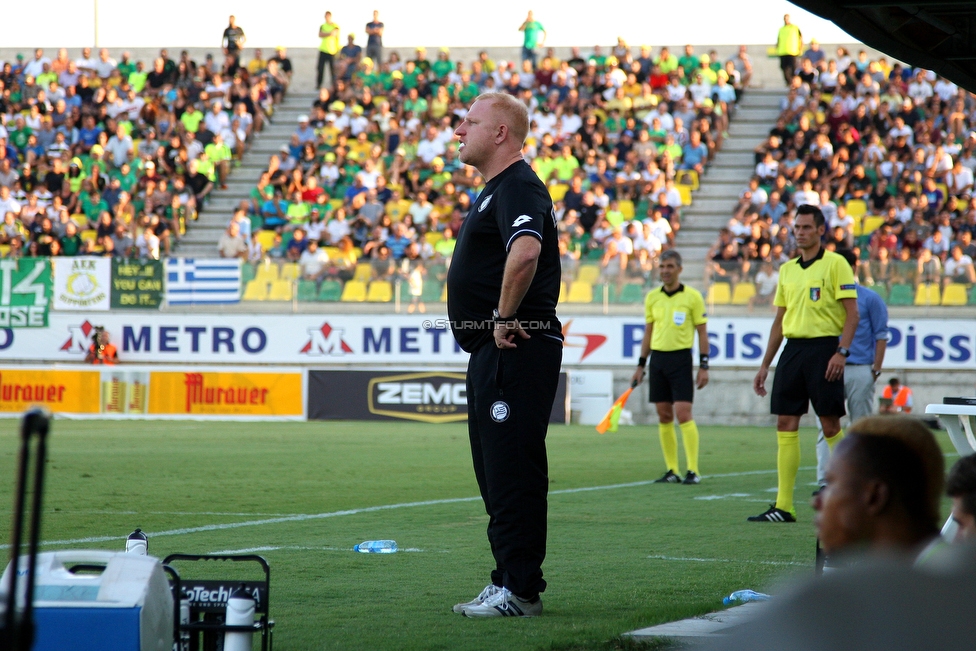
{"x": 674, "y": 313}
{"x": 816, "y": 302}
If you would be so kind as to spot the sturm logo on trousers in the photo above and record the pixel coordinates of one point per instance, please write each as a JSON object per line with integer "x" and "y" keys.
{"x": 499, "y": 412}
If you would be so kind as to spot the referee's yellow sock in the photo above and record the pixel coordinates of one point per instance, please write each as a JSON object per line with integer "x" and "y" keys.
{"x": 787, "y": 466}
{"x": 669, "y": 445}
{"x": 689, "y": 434}
{"x": 834, "y": 440}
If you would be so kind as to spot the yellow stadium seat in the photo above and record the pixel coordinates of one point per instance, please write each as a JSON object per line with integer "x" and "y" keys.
{"x": 331, "y": 251}
{"x": 433, "y": 237}
{"x": 267, "y": 240}
{"x": 687, "y": 177}
{"x": 580, "y": 292}
{"x": 4, "y": 250}
{"x": 562, "y": 293}
{"x": 380, "y": 291}
{"x": 354, "y": 291}
{"x": 588, "y": 273}
{"x": 944, "y": 188}
{"x": 856, "y": 208}
{"x": 267, "y": 272}
{"x": 742, "y": 293}
{"x": 81, "y": 219}
{"x": 335, "y": 203}
{"x": 281, "y": 290}
{"x": 358, "y": 252}
{"x": 858, "y": 226}
{"x": 955, "y": 294}
{"x": 557, "y": 191}
{"x": 626, "y": 207}
{"x": 290, "y": 271}
{"x": 444, "y": 294}
{"x": 363, "y": 272}
{"x": 928, "y": 294}
{"x": 685, "y": 192}
{"x": 719, "y": 294}
{"x": 89, "y": 236}
{"x": 255, "y": 290}
{"x": 871, "y": 224}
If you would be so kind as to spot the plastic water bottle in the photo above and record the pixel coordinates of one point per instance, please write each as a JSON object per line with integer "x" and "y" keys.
{"x": 240, "y": 612}
{"x": 376, "y": 547}
{"x": 137, "y": 543}
{"x": 743, "y": 596}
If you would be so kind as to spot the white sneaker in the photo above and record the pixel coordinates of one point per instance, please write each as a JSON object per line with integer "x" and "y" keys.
{"x": 490, "y": 590}
{"x": 504, "y": 604}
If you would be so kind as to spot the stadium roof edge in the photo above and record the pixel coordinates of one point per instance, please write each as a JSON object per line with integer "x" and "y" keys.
{"x": 937, "y": 36}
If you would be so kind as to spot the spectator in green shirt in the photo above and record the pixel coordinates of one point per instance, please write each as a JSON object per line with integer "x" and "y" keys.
{"x": 534, "y": 37}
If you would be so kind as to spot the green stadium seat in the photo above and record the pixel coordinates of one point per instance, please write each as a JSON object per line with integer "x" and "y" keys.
{"x": 307, "y": 291}
{"x": 631, "y": 293}
{"x": 247, "y": 272}
{"x": 598, "y": 291}
{"x": 880, "y": 290}
{"x": 331, "y": 291}
{"x": 901, "y": 294}
{"x": 432, "y": 291}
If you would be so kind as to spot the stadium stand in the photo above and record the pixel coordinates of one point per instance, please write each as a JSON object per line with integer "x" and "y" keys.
{"x": 888, "y": 153}
{"x": 118, "y": 157}
{"x": 374, "y": 161}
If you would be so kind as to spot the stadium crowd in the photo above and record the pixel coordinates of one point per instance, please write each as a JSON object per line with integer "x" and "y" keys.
{"x": 117, "y": 157}
{"x": 372, "y": 175}
{"x": 888, "y": 154}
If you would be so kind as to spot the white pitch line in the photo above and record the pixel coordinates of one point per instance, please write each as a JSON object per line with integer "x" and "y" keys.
{"x": 251, "y": 550}
{"x": 724, "y": 560}
{"x": 217, "y": 513}
{"x": 368, "y": 509}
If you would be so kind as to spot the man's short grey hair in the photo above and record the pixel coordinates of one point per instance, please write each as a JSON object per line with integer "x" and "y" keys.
{"x": 671, "y": 254}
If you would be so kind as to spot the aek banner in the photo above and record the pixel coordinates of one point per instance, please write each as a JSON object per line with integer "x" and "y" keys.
{"x": 137, "y": 283}
{"x": 25, "y": 292}
{"x": 411, "y": 340}
{"x": 82, "y": 284}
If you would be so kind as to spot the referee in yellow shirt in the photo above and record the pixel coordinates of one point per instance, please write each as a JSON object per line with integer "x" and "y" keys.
{"x": 673, "y": 314}
{"x": 816, "y": 302}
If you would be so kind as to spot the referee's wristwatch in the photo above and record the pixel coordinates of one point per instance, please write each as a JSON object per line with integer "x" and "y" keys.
{"x": 843, "y": 352}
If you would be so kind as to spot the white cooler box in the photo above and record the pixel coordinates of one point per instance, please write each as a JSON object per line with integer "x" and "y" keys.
{"x": 98, "y": 601}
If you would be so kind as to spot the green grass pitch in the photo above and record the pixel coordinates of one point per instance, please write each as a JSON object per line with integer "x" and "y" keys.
{"x": 620, "y": 556}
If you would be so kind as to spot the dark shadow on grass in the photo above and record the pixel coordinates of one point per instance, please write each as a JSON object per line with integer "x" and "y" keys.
{"x": 621, "y": 644}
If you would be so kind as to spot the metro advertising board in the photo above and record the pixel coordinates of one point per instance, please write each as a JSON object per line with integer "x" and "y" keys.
{"x": 406, "y": 340}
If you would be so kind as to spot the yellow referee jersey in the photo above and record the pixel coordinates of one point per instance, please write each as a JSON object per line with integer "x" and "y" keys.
{"x": 674, "y": 317}
{"x": 811, "y": 294}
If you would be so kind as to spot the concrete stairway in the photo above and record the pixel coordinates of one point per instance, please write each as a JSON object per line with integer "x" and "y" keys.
{"x": 727, "y": 176}
{"x": 202, "y": 235}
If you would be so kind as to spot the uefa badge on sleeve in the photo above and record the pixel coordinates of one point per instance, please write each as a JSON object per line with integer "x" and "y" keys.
{"x": 814, "y": 294}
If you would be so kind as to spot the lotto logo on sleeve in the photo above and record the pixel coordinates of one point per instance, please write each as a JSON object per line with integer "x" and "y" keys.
{"x": 522, "y": 219}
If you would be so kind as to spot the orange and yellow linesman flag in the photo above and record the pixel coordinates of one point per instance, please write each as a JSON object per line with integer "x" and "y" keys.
{"x": 610, "y": 421}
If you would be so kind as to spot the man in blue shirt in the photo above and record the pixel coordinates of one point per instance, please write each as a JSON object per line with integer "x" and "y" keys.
{"x": 865, "y": 361}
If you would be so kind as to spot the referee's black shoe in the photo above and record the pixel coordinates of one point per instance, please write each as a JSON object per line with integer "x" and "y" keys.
{"x": 669, "y": 478}
{"x": 773, "y": 515}
{"x": 691, "y": 477}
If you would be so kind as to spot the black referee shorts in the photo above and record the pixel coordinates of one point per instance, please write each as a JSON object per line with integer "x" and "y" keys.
{"x": 801, "y": 378}
{"x": 669, "y": 376}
